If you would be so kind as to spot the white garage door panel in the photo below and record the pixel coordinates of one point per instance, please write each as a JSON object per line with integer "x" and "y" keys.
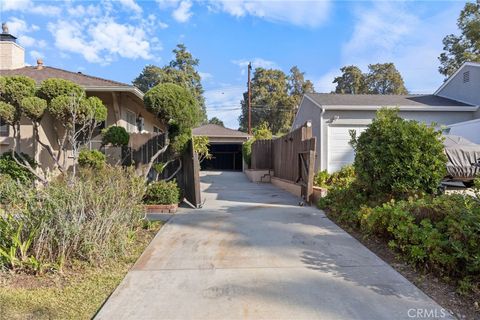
{"x": 340, "y": 153}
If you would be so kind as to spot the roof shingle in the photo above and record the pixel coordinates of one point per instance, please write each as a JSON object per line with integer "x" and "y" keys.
{"x": 334, "y": 99}
{"x": 49, "y": 72}
{"x": 213, "y": 130}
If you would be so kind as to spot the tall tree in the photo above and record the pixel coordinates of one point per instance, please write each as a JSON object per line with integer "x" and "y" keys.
{"x": 297, "y": 85}
{"x": 271, "y": 102}
{"x": 466, "y": 46}
{"x": 352, "y": 81}
{"x": 384, "y": 78}
{"x": 275, "y": 96}
{"x": 216, "y": 121}
{"x": 181, "y": 71}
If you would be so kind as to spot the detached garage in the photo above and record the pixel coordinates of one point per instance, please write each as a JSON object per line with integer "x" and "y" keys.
{"x": 225, "y": 147}
{"x": 333, "y": 116}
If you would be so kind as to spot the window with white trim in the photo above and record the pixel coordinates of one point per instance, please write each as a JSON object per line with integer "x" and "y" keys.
{"x": 131, "y": 120}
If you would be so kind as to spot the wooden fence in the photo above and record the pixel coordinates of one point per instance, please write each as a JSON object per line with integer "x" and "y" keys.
{"x": 142, "y": 147}
{"x": 291, "y": 157}
{"x": 141, "y": 155}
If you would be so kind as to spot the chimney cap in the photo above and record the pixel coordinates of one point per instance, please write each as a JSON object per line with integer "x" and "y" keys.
{"x": 39, "y": 64}
{"x": 5, "y": 35}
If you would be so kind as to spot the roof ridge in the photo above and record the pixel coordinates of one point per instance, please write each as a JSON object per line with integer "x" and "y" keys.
{"x": 370, "y": 94}
{"x": 89, "y": 76}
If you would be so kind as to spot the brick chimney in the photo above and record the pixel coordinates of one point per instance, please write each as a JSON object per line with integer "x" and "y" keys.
{"x": 12, "y": 55}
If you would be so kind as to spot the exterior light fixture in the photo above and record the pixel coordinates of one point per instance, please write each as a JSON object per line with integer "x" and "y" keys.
{"x": 140, "y": 122}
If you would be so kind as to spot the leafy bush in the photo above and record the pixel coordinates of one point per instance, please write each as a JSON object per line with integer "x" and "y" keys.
{"x": 10, "y": 167}
{"x": 262, "y": 132}
{"x": 89, "y": 219}
{"x": 162, "y": 192}
{"x": 91, "y": 158}
{"x": 116, "y": 136}
{"x": 399, "y": 157}
{"x": 247, "y": 151}
{"x": 441, "y": 233}
{"x": 339, "y": 179}
{"x": 53, "y": 87}
{"x": 178, "y": 107}
{"x": 201, "y": 146}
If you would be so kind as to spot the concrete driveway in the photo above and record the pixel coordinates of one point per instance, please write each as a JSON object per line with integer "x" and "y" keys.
{"x": 252, "y": 253}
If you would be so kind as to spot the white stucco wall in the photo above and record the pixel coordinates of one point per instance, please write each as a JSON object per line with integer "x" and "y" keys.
{"x": 12, "y": 56}
{"x": 467, "y": 92}
{"x": 309, "y": 111}
{"x": 469, "y": 130}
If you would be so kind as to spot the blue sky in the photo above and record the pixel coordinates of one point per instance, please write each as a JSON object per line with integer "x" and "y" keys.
{"x": 116, "y": 39}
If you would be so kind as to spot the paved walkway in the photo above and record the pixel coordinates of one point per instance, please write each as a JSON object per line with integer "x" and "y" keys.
{"x": 252, "y": 253}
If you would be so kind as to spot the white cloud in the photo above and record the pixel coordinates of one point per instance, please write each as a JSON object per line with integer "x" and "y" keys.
{"x": 79, "y": 11}
{"x": 325, "y": 83}
{"x": 167, "y": 4}
{"x": 182, "y": 13}
{"x": 205, "y": 76}
{"x": 101, "y": 41}
{"x": 224, "y": 103}
{"x": 162, "y": 25}
{"x": 30, "y": 7}
{"x": 256, "y": 63}
{"x": 20, "y": 29}
{"x": 36, "y": 55}
{"x": 131, "y": 5}
{"x": 26, "y": 41}
{"x": 381, "y": 27}
{"x": 393, "y": 32}
{"x": 296, "y": 12}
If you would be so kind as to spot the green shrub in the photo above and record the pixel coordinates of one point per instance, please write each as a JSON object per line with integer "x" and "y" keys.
{"x": 10, "y": 167}
{"x": 116, "y": 136}
{"x": 399, "y": 157}
{"x": 88, "y": 219}
{"x": 91, "y": 158}
{"x": 339, "y": 179}
{"x": 247, "y": 152}
{"x": 162, "y": 192}
{"x": 441, "y": 234}
{"x": 53, "y": 87}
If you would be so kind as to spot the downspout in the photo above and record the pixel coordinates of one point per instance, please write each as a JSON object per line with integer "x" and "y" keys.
{"x": 321, "y": 139}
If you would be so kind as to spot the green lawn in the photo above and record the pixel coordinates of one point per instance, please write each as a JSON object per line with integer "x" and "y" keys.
{"x": 76, "y": 294}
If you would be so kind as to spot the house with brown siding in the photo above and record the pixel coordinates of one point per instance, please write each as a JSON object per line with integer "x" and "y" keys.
{"x": 123, "y": 101}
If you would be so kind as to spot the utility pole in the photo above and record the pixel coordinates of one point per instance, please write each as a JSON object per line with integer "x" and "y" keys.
{"x": 249, "y": 101}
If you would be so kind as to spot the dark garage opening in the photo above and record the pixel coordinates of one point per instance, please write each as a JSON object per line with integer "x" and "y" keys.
{"x": 224, "y": 157}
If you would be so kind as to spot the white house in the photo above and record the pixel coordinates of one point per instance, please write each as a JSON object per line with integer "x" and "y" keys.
{"x": 334, "y": 115}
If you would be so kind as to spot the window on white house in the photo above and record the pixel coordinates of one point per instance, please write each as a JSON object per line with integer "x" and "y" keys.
{"x": 131, "y": 119}
{"x": 4, "y": 129}
{"x": 466, "y": 76}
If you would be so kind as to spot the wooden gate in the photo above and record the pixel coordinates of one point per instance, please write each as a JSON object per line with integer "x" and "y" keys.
{"x": 291, "y": 157}
{"x": 188, "y": 178}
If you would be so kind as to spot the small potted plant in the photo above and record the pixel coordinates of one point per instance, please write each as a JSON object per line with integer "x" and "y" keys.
{"x": 162, "y": 197}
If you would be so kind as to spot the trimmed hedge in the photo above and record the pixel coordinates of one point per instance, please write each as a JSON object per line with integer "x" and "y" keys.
{"x": 162, "y": 192}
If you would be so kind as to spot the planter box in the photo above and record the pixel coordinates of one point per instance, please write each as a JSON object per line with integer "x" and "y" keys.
{"x": 318, "y": 193}
{"x": 161, "y": 208}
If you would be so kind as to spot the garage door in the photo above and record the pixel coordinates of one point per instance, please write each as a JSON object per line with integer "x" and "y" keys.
{"x": 224, "y": 157}
{"x": 340, "y": 153}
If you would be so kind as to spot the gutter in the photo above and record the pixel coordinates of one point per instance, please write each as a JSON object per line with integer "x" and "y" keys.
{"x": 406, "y": 108}
{"x": 322, "y": 138}
{"x": 133, "y": 90}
